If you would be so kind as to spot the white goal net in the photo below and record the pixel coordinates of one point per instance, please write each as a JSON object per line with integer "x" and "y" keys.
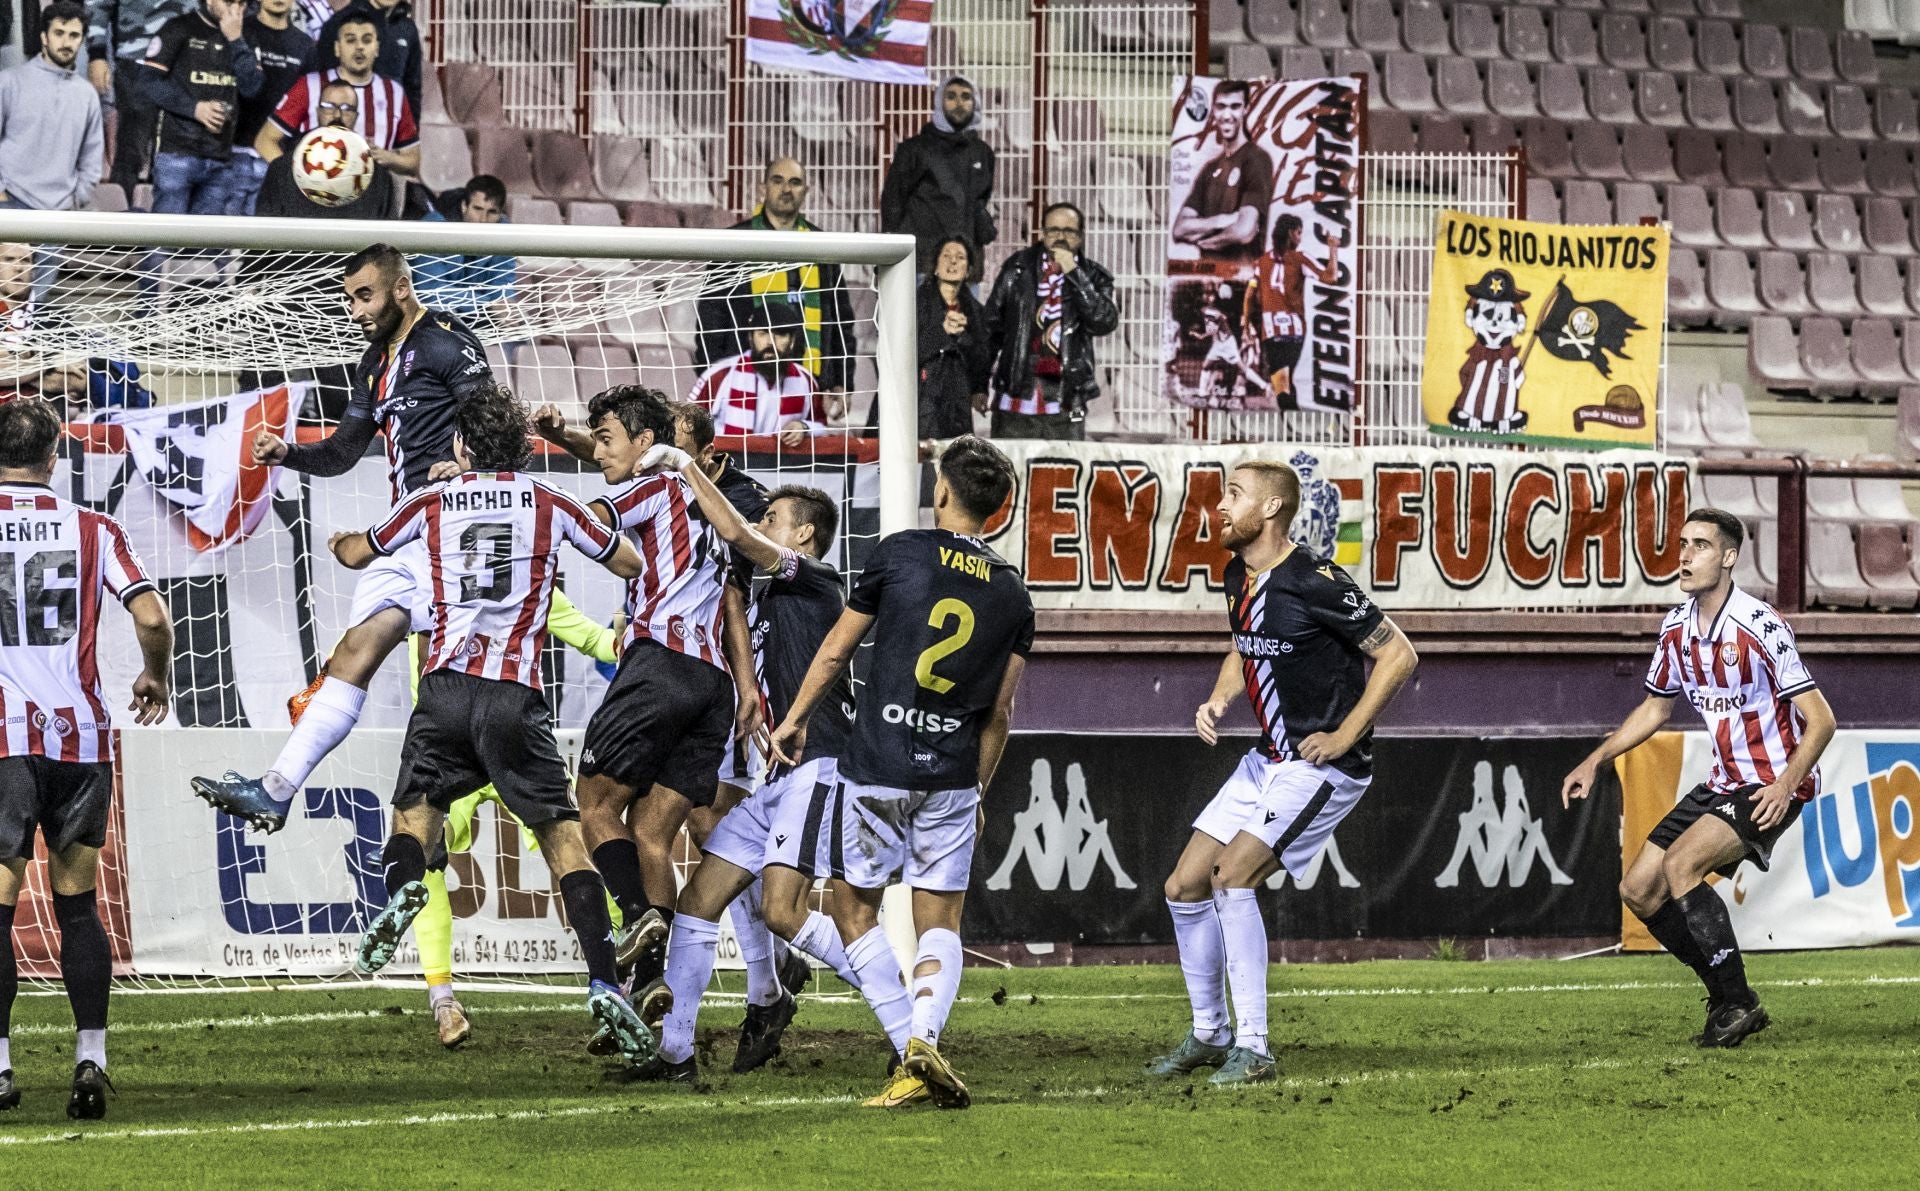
{"x": 172, "y": 340}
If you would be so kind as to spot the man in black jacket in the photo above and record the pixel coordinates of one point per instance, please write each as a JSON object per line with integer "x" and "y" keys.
{"x": 1047, "y": 306}
{"x": 941, "y": 181}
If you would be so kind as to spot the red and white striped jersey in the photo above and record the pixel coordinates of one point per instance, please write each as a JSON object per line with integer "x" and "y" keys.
{"x": 385, "y": 118}
{"x": 493, "y": 539}
{"x": 56, "y": 559}
{"x": 742, "y": 402}
{"x": 676, "y": 599}
{"x": 1742, "y": 674}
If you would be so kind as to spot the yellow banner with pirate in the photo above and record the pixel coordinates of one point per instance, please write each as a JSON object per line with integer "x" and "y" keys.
{"x": 1543, "y": 333}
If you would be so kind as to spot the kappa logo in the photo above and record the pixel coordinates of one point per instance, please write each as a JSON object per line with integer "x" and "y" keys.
{"x": 1727, "y": 809}
{"x": 1325, "y": 856}
{"x": 1056, "y": 842}
{"x": 1498, "y": 838}
{"x": 586, "y": 758}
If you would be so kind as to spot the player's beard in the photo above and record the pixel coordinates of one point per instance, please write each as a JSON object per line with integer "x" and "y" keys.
{"x": 386, "y": 322}
{"x": 1235, "y": 539}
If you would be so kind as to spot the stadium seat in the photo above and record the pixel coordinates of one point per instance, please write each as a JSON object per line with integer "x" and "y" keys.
{"x": 1763, "y": 51}
{"x": 1575, "y": 40}
{"x": 545, "y": 373}
{"x": 1731, "y": 288}
{"x": 1670, "y": 45}
{"x": 1827, "y": 355}
{"x": 1906, "y": 429}
{"x": 1853, "y": 58}
{"x": 1245, "y": 61}
{"x": 1765, "y": 552}
{"x": 446, "y": 160}
{"x": 1910, "y": 345}
{"x": 1523, "y": 34}
{"x": 1493, "y": 134}
{"x": 433, "y": 103}
{"x": 1549, "y": 152}
{"x": 1791, "y": 163}
{"x": 1683, "y": 421}
{"x": 1376, "y": 27}
{"x": 1270, "y": 22}
{"x": 1353, "y": 62}
{"x": 1803, "y": 111}
{"x": 1543, "y": 204}
{"x": 604, "y": 365}
{"x": 1691, "y": 215}
{"x": 1657, "y": 99}
{"x": 1456, "y": 87}
{"x": 1732, "y": 493}
{"x": 1725, "y": 420}
{"x": 1886, "y": 565}
{"x": 1696, "y": 157}
{"x": 530, "y": 209}
{"x": 1707, "y": 102}
{"x": 682, "y": 173}
{"x": 1810, "y": 54}
{"x": 1716, "y": 46}
{"x": 1789, "y": 221}
{"x": 1623, "y": 43}
{"x": 1596, "y": 153}
{"x": 1610, "y": 95}
{"x": 109, "y": 198}
{"x": 502, "y": 152}
{"x": 1647, "y": 154}
{"x": 1843, "y": 166}
{"x": 1830, "y": 285}
{"x": 1894, "y": 114}
{"x": 1443, "y": 134}
{"x": 1687, "y": 302}
{"x": 561, "y": 166}
{"x": 1746, "y": 565}
{"x": 472, "y": 93}
{"x": 1781, "y": 284}
{"x": 1837, "y": 222}
{"x": 1302, "y": 62}
{"x": 1474, "y": 33}
{"x": 593, "y": 213}
{"x": 1885, "y": 228}
{"x": 620, "y": 168}
{"x": 1883, "y": 288}
{"x": 1227, "y": 24}
{"x": 1890, "y": 169}
{"x": 1389, "y": 131}
{"x": 1323, "y": 23}
{"x": 1755, "y": 106}
{"x": 1586, "y": 202}
{"x": 1876, "y": 357}
{"x": 1635, "y": 202}
{"x": 1848, "y": 112}
{"x": 1423, "y": 28}
{"x": 1510, "y": 89}
{"x": 1737, "y": 219}
{"x": 1830, "y": 498}
{"x": 1773, "y": 354}
{"x": 1561, "y": 95}
{"x": 1744, "y": 159}
{"x": 1881, "y": 499}
{"x": 1872, "y": 19}
{"x": 1833, "y": 570}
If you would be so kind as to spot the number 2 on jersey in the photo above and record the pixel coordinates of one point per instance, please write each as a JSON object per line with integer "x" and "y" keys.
{"x": 945, "y": 610}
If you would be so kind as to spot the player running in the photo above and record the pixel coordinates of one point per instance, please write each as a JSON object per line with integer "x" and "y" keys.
{"x": 797, "y": 598}
{"x": 418, "y": 366}
{"x": 952, "y": 624}
{"x": 653, "y": 747}
{"x": 492, "y": 539}
{"x": 1301, "y": 634}
{"x": 57, "y": 746}
{"x": 1735, "y": 659}
{"x": 1275, "y": 310}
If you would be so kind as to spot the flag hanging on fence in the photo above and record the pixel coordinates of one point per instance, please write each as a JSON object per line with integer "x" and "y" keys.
{"x": 876, "y": 41}
{"x": 200, "y": 457}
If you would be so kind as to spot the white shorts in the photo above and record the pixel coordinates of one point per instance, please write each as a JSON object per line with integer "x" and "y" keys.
{"x": 743, "y": 766}
{"x": 1292, "y": 806}
{"x": 925, "y": 836}
{"x": 404, "y": 580}
{"x": 745, "y": 836}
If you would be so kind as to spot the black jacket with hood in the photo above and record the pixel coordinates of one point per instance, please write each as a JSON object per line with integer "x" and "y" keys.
{"x": 1087, "y": 310}
{"x": 941, "y": 182}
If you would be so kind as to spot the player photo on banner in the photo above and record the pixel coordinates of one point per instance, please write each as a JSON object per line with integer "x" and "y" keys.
{"x": 1260, "y": 261}
{"x": 1545, "y": 334}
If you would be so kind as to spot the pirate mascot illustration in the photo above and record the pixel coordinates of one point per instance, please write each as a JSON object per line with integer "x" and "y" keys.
{"x": 1490, "y": 380}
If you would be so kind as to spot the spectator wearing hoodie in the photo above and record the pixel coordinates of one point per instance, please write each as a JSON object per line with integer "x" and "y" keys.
{"x": 51, "y": 130}
{"x": 941, "y": 181}
{"x": 119, "y": 33}
{"x": 400, "y": 46}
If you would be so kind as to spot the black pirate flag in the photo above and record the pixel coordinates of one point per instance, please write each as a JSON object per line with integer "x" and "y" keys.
{"x": 1578, "y": 331}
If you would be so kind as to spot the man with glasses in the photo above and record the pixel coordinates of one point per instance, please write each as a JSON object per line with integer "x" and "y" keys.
{"x": 382, "y": 113}
{"x": 1047, "y": 306}
{"x": 280, "y": 195}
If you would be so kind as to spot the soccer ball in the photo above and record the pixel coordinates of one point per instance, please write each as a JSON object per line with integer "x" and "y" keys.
{"x": 332, "y": 166}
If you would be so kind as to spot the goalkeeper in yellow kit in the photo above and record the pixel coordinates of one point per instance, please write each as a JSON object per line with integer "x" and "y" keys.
{"x": 433, "y": 929}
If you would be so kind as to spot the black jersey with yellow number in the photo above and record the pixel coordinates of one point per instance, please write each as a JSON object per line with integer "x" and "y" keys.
{"x": 948, "y": 613}
{"x": 1298, "y": 626}
{"x": 793, "y": 609}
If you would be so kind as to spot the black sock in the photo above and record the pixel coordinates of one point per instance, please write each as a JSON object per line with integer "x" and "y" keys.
{"x": 402, "y": 861}
{"x": 86, "y": 961}
{"x": 1724, "y": 971}
{"x": 586, "y": 900}
{"x": 1668, "y": 926}
{"x": 619, "y": 864}
{"x": 9, "y": 971}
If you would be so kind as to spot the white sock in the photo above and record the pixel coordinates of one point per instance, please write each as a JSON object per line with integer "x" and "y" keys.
{"x": 91, "y": 1044}
{"x": 1244, "y": 936}
{"x": 1196, "y": 928}
{"x": 6, "y": 1054}
{"x": 689, "y": 966}
{"x": 332, "y": 714}
{"x": 756, "y": 946}
{"x": 872, "y": 959}
{"x": 818, "y": 939}
{"x": 934, "y": 993}
{"x": 437, "y": 993}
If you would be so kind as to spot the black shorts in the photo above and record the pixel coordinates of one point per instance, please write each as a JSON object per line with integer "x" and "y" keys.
{"x": 1737, "y": 809}
{"x": 665, "y": 721}
{"x": 1283, "y": 352}
{"x": 66, "y": 801}
{"x": 469, "y": 732}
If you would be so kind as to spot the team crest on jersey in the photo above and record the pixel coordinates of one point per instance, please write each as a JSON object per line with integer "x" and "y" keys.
{"x": 1729, "y": 653}
{"x": 1317, "y": 527}
{"x": 53, "y": 725}
{"x": 406, "y": 364}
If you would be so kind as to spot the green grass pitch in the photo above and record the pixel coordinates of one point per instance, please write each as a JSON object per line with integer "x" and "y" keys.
{"x": 1525, "y": 1073}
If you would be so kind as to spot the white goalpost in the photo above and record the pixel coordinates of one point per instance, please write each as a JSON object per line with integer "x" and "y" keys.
{"x": 173, "y": 339}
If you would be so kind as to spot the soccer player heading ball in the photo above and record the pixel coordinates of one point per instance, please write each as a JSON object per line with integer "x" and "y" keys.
{"x": 1735, "y": 659}
{"x": 1301, "y": 633}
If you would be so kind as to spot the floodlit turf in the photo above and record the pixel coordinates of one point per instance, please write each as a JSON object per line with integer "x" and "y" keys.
{"x": 1452, "y": 1073}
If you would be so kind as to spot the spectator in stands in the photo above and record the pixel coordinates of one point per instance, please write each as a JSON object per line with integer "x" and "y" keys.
{"x": 1225, "y": 213}
{"x": 401, "y": 49}
{"x": 279, "y": 196}
{"x": 382, "y": 114}
{"x": 82, "y": 385}
{"x": 198, "y": 69}
{"x": 282, "y": 49}
{"x": 467, "y": 285}
{"x": 941, "y": 181}
{"x": 52, "y": 133}
{"x": 311, "y": 16}
{"x": 1047, "y": 307}
{"x": 955, "y": 353}
{"x": 764, "y": 390}
{"x": 819, "y": 289}
{"x": 119, "y": 32}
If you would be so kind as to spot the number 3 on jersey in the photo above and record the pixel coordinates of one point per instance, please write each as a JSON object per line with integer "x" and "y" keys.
{"x": 489, "y": 549}
{"x": 945, "y": 610}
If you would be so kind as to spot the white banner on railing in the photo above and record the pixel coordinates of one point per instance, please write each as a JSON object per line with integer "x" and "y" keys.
{"x": 1132, "y": 526}
{"x": 1845, "y": 874}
